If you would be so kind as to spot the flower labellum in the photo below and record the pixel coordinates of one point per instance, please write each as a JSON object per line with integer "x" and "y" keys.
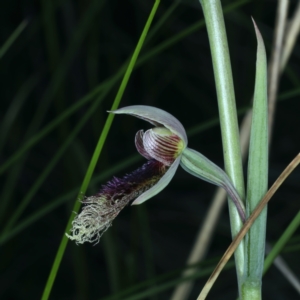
{"x": 162, "y": 146}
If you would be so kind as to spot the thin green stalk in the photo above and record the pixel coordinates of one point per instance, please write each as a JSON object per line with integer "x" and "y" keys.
{"x": 213, "y": 14}
{"x": 285, "y": 237}
{"x": 257, "y": 179}
{"x": 97, "y": 152}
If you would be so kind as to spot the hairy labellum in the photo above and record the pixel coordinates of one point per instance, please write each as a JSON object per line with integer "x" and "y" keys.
{"x": 99, "y": 211}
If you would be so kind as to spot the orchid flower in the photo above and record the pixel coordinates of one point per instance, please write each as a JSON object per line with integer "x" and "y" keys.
{"x": 164, "y": 147}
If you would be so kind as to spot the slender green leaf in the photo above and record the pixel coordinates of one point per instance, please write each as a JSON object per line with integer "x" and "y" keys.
{"x": 257, "y": 177}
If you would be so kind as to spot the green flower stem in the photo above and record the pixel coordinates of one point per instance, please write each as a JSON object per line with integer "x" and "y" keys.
{"x": 257, "y": 179}
{"x": 213, "y": 14}
{"x": 97, "y": 152}
{"x": 198, "y": 165}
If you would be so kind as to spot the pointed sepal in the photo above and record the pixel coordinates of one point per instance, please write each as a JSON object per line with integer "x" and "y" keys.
{"x": 198, "y": 165}
{"x": 160, "y": 185}
{"x": 155, "y": 116}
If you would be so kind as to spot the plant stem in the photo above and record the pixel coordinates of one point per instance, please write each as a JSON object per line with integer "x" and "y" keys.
{"x": 213, "y": 14}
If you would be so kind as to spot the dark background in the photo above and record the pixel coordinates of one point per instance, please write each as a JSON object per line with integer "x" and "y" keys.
{"x": 67, "y": 49}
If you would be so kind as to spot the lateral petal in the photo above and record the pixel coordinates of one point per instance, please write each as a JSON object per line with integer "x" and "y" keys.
{"x": 160, "y": 185}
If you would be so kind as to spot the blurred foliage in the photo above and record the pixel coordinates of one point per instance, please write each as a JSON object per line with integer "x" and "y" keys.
{"x": 69, "y": 57}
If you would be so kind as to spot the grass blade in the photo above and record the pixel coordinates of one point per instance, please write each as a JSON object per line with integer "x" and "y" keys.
{"x": 257, "y": 178}
{"x": 97, "y": 152}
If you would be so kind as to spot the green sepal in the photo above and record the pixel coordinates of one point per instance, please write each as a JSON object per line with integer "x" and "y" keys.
{"x": 198, "y": 165}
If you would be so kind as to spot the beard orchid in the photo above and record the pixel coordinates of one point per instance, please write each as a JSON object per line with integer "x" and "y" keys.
{"x": 164, "y": 147}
